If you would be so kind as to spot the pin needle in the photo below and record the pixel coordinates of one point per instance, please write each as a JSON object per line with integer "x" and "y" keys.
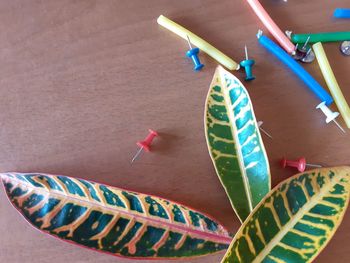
{"x": 306, "y": 42}
{"x": 139, "y": 151}
{"x": 260, "y": 123}
{"x": 339, "y": 126}
{"x": 246, "y": 52}
{"x": 189, "y": 41}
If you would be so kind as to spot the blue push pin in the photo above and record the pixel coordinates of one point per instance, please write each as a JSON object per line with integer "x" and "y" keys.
{"x": 247, "y": 64}
{"x": 193, "y": 54}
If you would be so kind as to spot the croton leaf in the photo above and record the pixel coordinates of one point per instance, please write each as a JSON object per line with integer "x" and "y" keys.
{"x": 294, "y": 222}
{"x": 113, "y": 220}
{"x": 235, "y": 144}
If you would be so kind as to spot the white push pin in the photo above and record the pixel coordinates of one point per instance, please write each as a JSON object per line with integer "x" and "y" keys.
{"x": 260, "y": 123}
{"x": 331, "y": 116}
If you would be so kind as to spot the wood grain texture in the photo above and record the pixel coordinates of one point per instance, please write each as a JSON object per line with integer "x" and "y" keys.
{"x": 82, "y": 81}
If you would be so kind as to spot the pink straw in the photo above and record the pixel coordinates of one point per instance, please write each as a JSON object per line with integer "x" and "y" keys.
{"x": 271, "y": 26}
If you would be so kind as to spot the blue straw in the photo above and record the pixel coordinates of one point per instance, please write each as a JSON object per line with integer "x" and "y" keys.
{"x": 296, "y": 68}
{"x": 341, "y": 13}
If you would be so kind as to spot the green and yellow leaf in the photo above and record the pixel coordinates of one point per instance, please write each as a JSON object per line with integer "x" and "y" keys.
{"x": 295, "y": 221}
{"x": 235, "y": 144}
{"x": 113, "y": 220}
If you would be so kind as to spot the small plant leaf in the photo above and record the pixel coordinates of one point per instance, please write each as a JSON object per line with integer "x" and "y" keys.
{"x": 113, "y": 220}
{"x": 295, "y": 221}
{"x": 235, "y": 144}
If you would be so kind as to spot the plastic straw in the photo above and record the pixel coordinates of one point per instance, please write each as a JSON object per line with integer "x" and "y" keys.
{"x": 332, "y": 82}
{"x": 341, "y": 13}
{"x": 199, "y": 42}
{"x": 272, "y": 26}
{"x": 296, "y": 68}
{"x": 321, "y": 37}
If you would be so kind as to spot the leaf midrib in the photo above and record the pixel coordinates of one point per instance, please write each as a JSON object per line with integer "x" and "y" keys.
{"x": 187, "y": 228}
{"x": 313, "y": 200}
{"x": 239, "y": 151}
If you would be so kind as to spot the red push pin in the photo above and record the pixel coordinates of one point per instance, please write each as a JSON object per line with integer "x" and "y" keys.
{"x": 145, "y": 144}
{"x": 300, "y": 164}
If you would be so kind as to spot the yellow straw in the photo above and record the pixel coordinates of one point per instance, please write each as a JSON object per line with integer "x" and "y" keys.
{"x": 332, "y": 82}
{"x": 198, "y": 42}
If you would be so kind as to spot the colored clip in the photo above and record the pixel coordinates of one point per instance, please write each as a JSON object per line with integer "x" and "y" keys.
{"x": 260, "y": 123}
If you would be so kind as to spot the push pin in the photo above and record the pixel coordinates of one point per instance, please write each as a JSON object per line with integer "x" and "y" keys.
{"x": 309, "y": 56}
{"x": 300, "y": 164}
{"x": 331, "y": 116}
{"x": 260, "y": 123}
{"x": 305, "y": 53}
{"x": 145, "y": 144}
{"x": 297, "y": 55}
{"x": 247, "y": 64}
{"x": 193, "y": 54}
{"x": 345, "y": 48}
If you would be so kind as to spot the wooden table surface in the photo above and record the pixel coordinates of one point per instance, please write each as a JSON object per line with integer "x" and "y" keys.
{"x": 82, "y": 81}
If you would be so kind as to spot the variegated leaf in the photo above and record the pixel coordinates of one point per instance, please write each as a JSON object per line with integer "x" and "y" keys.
{"x": 295, "y": 221}
{"x": 113, "y": 220}
{"x": 235, "y": 144}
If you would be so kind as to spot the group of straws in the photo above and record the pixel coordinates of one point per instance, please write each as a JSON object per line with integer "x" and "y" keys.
{"x": 290, "y": 53}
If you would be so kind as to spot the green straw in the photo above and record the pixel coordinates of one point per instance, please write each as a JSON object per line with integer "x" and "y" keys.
{"x": 319, "y": 37}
